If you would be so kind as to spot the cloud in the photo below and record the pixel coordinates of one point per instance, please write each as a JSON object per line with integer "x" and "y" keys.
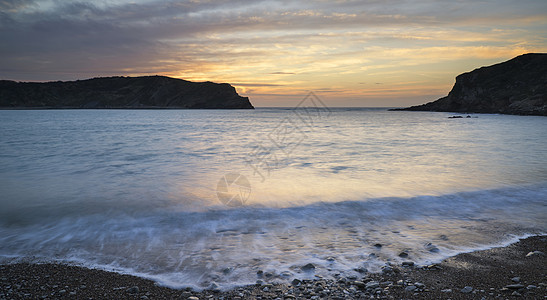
{"x": 316, "y": 42}
{"x": 282, "y": 73}
{"x": 255, "y": 84}
{"x": 14, "y": 5}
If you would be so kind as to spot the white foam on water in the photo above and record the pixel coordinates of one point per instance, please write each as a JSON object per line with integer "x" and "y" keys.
{"x": 229, "y": 246}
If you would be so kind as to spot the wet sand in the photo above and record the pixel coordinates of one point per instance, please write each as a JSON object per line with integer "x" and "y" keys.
{"x": 499, "y": 273}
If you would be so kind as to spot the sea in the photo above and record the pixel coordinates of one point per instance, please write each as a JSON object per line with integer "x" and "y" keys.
{"x": 223, "y": 198}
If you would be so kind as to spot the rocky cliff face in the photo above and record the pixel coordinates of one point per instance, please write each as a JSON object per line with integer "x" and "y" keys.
{"x": 517, "y": 86}
{"x": 121, "y": 92}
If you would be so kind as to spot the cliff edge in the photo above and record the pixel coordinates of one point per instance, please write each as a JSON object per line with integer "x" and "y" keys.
{"x": 517, "y": 86}
{"x": 120, "y": 92}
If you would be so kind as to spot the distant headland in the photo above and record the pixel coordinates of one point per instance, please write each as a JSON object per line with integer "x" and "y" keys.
{"x": 517, "y": 87}
{"x": 147, "y": 92}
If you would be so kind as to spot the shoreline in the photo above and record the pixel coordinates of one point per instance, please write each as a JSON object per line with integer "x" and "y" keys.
{"x": 508, "y": 272}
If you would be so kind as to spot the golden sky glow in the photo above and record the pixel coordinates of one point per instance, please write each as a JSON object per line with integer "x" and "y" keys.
{"x": 351, "y": 53}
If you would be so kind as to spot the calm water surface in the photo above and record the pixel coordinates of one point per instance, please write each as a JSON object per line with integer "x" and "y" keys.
{"x": 137, "y": 191}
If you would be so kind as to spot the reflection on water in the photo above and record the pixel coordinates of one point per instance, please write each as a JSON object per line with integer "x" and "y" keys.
{"x": 136, "y": 190}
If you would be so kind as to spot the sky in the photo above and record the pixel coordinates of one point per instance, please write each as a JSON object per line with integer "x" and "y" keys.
{"x": 388, "y": 53}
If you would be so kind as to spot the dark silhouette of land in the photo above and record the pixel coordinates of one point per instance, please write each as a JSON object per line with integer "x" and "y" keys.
{"x": 517, "y": 86}
{"x": 120, "y": 92}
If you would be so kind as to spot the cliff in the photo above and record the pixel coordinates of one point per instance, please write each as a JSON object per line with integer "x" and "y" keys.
{"x": 120, "y": 92}
{"x": 517, "y": 86}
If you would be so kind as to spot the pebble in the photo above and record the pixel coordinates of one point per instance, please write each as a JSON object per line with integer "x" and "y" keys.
{"x": 467, "y": 290}
{"x": 386, "y": 283}
{"x": 535, "y": 253}
{"x": 378, "y": 245}
{"x": 193, "y": 298}
{"x": 514, "y": 286}
{"x": 446, "y": 291}
{"x": 185, "y": 295}
{"x": 434, "y": 267}
{"x": 372, "y": 285}
{"x": 296, "y": 282}
{"x": 410, "y": 288}
{"x": 515, "y": 279}
{"x": 431, "y": 248}
{"x": 213, "y": 286}
{"x": 133, "y": 290}
{"x": 403, "y": 254}
{"x": 308, "y": 267}
{"x": 408, "y": 263}
{"x": 285, "y": 274}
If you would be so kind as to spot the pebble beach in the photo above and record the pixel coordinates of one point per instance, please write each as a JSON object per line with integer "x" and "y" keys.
{"x": 515, "y": 271}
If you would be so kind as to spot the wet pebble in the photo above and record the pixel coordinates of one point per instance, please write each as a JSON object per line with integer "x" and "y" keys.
{"x": 407, "y": 263}
{"x": 535, "y": 253}
{"x": 431, "y": 248}
{"x": 213, "y": 286}
{"x": 467, "y": 290}
{"x": 515, "y": 286}
{"x": 410, "y": 288}
{"x": 372, "y": 285}
{"x": 308, "y": 267}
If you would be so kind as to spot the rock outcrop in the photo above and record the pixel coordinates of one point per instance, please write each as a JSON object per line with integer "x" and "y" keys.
{"x": 517, "y": 86}
{"x": 120, "y": 92}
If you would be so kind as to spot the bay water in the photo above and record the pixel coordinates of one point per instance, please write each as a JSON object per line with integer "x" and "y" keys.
{"x": 192, "y": 197}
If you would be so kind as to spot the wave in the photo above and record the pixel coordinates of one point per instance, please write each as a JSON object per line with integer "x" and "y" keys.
{"x": 229, "y": 246}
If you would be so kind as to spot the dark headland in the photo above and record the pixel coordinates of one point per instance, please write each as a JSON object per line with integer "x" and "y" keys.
{"x": 516, "y": 87}
{"x": 120, "y": 92}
